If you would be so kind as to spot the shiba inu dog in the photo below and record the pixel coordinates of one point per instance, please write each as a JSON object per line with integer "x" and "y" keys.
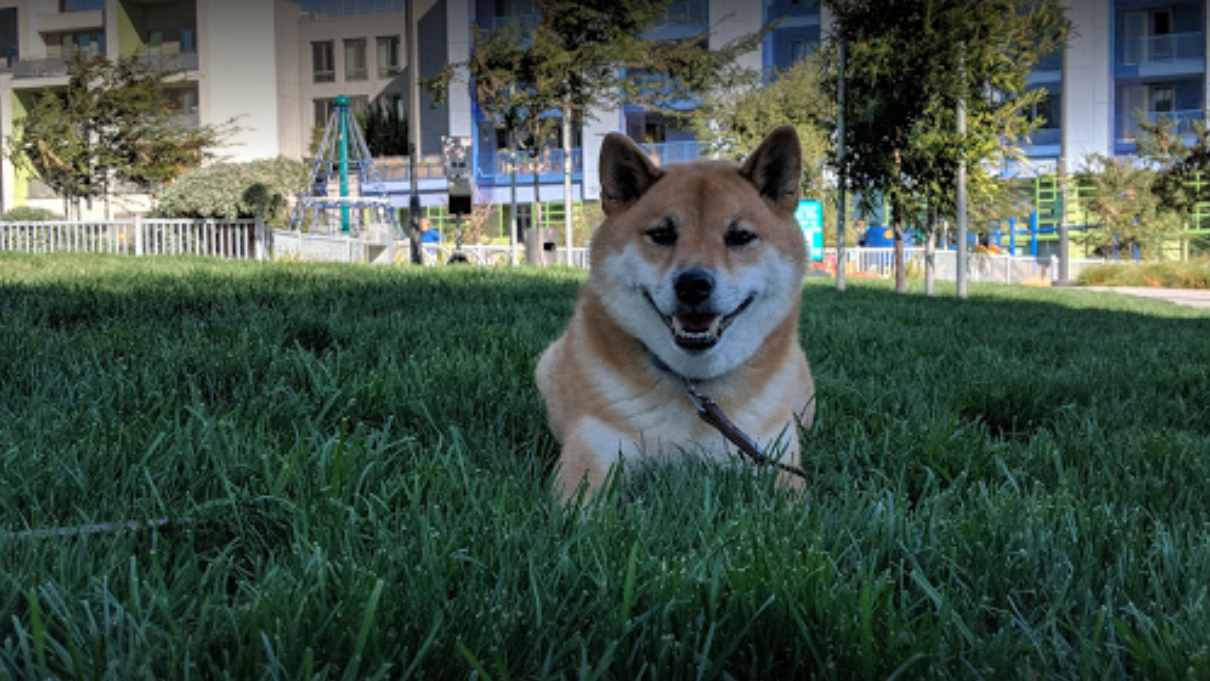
{"x": 695, "y": 276}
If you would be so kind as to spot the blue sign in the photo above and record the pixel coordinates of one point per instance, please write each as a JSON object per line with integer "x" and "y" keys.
{"x": 810, "y": 218}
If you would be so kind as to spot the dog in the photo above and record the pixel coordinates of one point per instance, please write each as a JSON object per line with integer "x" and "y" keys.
{"x": 695, "y": 278}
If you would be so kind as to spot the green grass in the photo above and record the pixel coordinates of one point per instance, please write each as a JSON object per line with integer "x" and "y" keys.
{"x": 1189, "y": 274}
{"x": 355, "y": 466}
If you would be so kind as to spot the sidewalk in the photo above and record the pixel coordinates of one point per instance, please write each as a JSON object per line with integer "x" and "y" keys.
{"x": 1195, "y": 298}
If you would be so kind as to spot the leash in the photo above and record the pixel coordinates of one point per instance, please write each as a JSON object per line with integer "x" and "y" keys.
{"x": 712, "y": 414}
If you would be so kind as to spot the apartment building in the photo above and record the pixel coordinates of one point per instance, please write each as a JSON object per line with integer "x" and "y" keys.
{"x": 227, "y": 69}
{"x": 275, "y": 67}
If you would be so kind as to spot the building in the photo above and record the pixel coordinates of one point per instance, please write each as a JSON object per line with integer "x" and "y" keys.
{"x": 275, "y": 68}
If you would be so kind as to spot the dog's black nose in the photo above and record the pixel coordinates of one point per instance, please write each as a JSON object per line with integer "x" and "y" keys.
{"x": 694, "y": 286}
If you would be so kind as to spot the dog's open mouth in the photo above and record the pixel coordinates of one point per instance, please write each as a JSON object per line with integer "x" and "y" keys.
{"x": 698, "y": 331}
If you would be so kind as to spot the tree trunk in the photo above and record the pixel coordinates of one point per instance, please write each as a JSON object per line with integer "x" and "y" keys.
{"x": 900, "y": 261}
{"x": 535, "y": 211}
{"x": 567, "y": 206}
{"x": 512, "y": 205}
{"x": 930, "y": 254}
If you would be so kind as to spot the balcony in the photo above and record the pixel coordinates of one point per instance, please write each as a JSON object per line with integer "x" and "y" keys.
{"x": 172, "y": 62}
{"x": 494, "y": 167}
{"x": 1128, "y": 129}
{"x": 682, "y": 19}
{"x": 71, "y": 22}
{"x": 673, "y": 152}
{"x": 40, "y": 68}
{"x": 1162, "y": 55}
{"x": 521, "y": 21}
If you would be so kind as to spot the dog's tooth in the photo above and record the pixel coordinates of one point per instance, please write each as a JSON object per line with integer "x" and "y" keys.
{"x": 677, "y": 327}
{"x": 715, "y": 325}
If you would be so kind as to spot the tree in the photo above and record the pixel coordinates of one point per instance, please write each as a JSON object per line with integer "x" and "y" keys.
{"x": 584, "y": 55}
{"x": 1129, "y": 212}
{"x": 734, "y": 121}
{"x": 236, "y": 190}
{"x": 385, "y": 128}
{"x": 910, "y": 62}
{"x": 112, "y": 123}
{"x": 1183, "y": 170}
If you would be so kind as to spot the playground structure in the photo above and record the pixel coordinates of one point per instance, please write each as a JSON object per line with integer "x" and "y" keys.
{"x": 1040, "y": 236}
{"x": 346, "y": 195}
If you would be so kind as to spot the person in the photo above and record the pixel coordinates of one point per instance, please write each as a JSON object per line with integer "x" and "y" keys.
{"x": 428, "y": 235}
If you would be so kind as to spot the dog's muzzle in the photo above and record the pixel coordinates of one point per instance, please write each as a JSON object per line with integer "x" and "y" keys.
{"x": 698, "y": 331}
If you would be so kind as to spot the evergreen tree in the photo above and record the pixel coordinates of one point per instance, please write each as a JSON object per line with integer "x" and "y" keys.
{"x": 113, "y": 122}
{"x": 584, "y": 55}
{"x": 909, "y": 63}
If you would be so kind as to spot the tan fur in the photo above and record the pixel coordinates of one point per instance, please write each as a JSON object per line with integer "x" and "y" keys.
{"x": 605, "y": 395}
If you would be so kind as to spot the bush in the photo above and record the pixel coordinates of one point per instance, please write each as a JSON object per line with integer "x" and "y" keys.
{"x": 30, "y": 214}
{"x": 235, "y": 190}
{"x": 1191, "y": 274}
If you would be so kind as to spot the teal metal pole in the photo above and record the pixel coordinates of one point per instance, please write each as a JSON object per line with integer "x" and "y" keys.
{"x": 342, "y": 113}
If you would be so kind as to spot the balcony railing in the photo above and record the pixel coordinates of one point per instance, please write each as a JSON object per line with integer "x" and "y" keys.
{"x": 187, "y": 61}
{"x": 674, "y": 152}
{"x": 522, "y": 21}
{"x": 1183, "y": 119}
{"x": 319, "y": 9}
{"x": 40, "y": 68}
{"x": 1161, "y": 49}
{"x": 684, "y": 12}
{"x": 496, "y": 168}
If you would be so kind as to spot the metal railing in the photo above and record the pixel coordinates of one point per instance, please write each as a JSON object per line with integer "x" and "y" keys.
{"x": 40, "y": 68}
{"x": 664, "y": 153}
{"x": 981, "y": 267}
{"x": 1160, "y": 49}
{"x": 252, "y": 240}
{"x": 316, "y": 9}
{"x": 1183, "y": 120}
{"x": 238, "y": 239}
{"x": 495, "y": 167}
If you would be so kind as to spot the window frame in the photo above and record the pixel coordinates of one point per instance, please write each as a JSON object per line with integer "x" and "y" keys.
{"x": 394, "y": 57}
{"x": 352, "y": 72}
{"x": 323, "y": 75}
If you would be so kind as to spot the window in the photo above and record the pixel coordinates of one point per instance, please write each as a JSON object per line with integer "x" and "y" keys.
{"x": 92, "y": 44}
{"x": 184, "y": 101}
{"x": 355, "y": 59}
{"x": 323, "y": 111}
{"x": 1163, "y": 99}
{"x": 798, "y": 51}
{"x": 1162, "y": 46}
{"x": 388, "y": 56}
{"x": 323, "y": 62}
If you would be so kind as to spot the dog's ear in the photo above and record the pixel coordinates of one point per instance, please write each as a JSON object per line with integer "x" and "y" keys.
{"x": 776, "y": 167}
{"x": 626, "y": 173}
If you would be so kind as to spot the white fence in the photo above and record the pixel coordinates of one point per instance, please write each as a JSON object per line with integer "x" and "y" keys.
{"x": 250, "y": 239}
{"x": 981, "y": 267}
{"x": 242, "y": 239}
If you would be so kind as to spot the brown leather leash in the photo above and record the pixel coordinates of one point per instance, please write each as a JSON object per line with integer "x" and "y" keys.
{"x": 712, "y": 414}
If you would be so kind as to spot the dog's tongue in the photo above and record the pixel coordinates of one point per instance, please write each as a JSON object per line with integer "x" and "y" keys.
{"x": 696, "y": 323}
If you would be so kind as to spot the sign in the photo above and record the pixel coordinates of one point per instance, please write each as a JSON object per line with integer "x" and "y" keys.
{"x": 810, "y": 218}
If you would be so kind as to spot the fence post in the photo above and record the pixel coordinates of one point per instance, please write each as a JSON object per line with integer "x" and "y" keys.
{"x": 138, "y": 235}
{"x": 258, "y": 238}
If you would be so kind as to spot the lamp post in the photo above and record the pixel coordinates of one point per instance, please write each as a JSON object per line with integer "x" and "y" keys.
{"x": 413, "y": 133}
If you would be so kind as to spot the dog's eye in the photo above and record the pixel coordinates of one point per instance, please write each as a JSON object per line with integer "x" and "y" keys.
{"x": 738, "y": 236}
{"x": 662, "y": 236}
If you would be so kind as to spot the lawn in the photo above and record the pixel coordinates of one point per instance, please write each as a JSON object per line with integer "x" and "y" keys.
{"x": 343, "y": 472}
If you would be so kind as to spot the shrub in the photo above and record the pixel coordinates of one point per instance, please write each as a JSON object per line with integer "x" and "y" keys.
{"x": 235, "y": 190}
{"x": 30, "y": 214}
{"x": 1191, "y": 274}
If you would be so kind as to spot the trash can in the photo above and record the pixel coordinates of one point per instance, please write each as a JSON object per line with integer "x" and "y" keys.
{"x": 540, "y": 247}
